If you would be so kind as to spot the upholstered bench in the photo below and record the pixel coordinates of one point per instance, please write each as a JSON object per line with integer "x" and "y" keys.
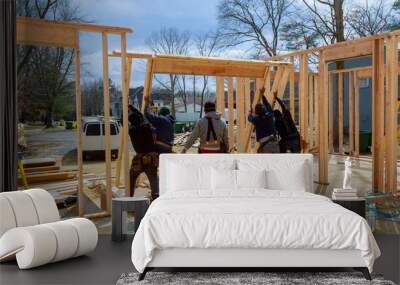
{"x": 31, "y": 230}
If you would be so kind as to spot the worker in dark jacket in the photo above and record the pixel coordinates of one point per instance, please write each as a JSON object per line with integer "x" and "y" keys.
{"x": 164, "y": 127}
{"x": 145, "y": 160}
{"x": 263, "y": 121}
{"x": 287, "y": 130}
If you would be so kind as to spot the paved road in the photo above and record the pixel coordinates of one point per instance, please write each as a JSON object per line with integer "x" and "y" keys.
{"x": 45, "y": 142}
{"x": 52, "y": 142}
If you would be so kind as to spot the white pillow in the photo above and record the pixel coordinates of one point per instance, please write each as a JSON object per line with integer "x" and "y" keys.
{"x": 291, "y": 178}
{"x": 194, "y": 174}
{"x": 223, "y": 179}
{"x": 251, "y": 179}
{"x": 284, "y": 172}
{"x": 181, "y": 177}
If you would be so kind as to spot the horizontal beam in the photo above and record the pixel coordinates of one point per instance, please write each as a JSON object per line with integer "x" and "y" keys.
{"x": 362, "y": 72}
{"x": 340, "y": 44}
{"x": 45, "y": 35}
{"x": 211, "y": 67}
{"x": 132, "y": 55}
{"x": 175, "y": 64}
{"x": 348, "y": 50}
{"x": 82, "y": 27}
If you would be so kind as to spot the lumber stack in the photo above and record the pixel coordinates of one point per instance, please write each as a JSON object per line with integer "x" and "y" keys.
{"x": 45, "y": 173}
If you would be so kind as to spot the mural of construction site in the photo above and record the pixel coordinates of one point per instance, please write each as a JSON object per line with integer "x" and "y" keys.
{"x": 74, "y": 139}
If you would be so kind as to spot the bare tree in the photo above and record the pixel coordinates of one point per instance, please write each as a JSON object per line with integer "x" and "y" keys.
{"x": 207, "y": 44}
{"x": 255, "y": 22}
{"x": 324, "y": 17}
{"x": 31, "y": 8}
{"x": 181, "y": 83}
{"x": 370, "y": 19}
{"x": 45, "y": 74}
{"x": 297, "y": 36}
{"x": 169, "y": 41}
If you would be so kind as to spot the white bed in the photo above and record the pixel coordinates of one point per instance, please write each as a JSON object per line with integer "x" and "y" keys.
{"x": 221, "y": 225}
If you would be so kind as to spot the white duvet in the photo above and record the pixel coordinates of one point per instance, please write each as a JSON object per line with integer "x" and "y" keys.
{"x": 250, "y": 219}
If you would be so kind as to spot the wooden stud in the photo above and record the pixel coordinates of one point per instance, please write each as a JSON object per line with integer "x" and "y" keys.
{"x": 330, "y": 103}
{"x": 267, "y": 85}
{"x": 351, "y": 113}
{"x": 125, "y": 104}
{"x": 340, "y": 111}
{"x": 391, "y": 114}
{"x": 323, "y": 120}
{"x": 378, "y": 112}
{"x": 249, "y": 126}
{"x": 276, "y": 84}
{"x": 221, "y": 95}
{"x": 303, "y": 95}
{"x": 240, "y": 111}
{"x": 283, "y": 82}
{"x": 311, "y": 111}
{"x": 356, "y": 115}
{"x": 148, "y": 82}
{"x": 291, "y": 89}
{"x": 258, "y": 84}
{"x": 247, "y": 99}
{"x": 231, "y": 114}
{"x": 107, "y": 128}
{"x": 79, "y": 130}
{"x": 118, "y": 162}
{"x": 316, "y": 110}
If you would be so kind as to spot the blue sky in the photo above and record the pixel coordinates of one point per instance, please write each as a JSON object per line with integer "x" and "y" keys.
{"x": 143, "y": 17}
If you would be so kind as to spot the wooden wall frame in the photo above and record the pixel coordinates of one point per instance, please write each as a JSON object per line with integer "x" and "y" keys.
{"x": 31, "y": 31}
{"x": 279, "y": 70}
{"x": 384, "y": 153}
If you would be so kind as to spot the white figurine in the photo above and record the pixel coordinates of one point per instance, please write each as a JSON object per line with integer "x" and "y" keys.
{"x": 347, "y": 174}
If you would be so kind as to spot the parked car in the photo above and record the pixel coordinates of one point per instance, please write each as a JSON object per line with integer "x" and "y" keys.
{"x": 93, "y": 137}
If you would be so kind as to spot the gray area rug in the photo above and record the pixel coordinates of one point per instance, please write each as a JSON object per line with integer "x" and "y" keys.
{"x": 233, "y": 278}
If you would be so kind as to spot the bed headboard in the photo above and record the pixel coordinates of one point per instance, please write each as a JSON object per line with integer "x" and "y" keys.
{"x": 212, "y": 159}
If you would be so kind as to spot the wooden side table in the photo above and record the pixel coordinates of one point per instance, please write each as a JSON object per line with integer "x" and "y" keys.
{"x": 356, "y": 205}
{"x": 120, "y": 209}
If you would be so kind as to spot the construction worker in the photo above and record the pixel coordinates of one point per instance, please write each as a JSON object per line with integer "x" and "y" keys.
{"x": 211, "y": 130}
{"x": 164, "y": 127}
{"x": 263, "y": 121}
{"x": 142, "y": 135}
{"x": 287, "y": 130}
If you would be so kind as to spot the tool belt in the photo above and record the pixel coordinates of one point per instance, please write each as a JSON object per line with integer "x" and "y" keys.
{"x": 212, "y": 146}
{"x": 266, "y": 140}
{"x": 143, "y": 160}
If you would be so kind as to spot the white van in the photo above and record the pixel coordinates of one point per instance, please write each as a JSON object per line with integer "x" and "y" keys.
{"x": 93, "y": 137}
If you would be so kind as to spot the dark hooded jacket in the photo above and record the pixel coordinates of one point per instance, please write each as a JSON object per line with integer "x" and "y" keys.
{"x": 264, "y": 125}
{"x": 164, "y": 126}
